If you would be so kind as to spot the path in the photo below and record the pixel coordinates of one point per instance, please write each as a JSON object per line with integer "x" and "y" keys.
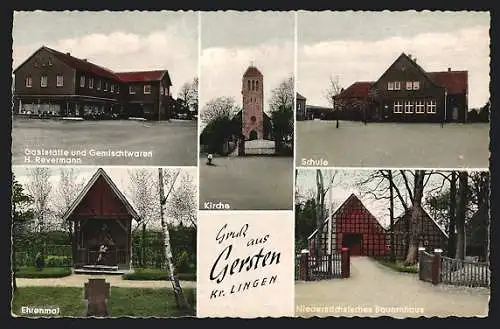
{"x": 78, "y": 280}
{"x": 373, "y": 288}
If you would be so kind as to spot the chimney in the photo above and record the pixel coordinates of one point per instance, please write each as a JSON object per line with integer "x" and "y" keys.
{"x": 69, "y": 54}
{"x": 449, "y": 69}
{"x": 409, "y": 55}
{"x": 415, "y": 59}
{"x": 84, "y": 59}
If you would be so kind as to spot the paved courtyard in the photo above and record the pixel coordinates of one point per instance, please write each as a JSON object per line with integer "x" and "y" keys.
{"x": 374, "y": 290}
{"x": 248, "y": 183}
{"x": 393, "y": 144}
{"x": 164, "y": 143}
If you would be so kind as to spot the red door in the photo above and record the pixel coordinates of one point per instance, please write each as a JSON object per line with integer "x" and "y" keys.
{"x": 353, "y": 242}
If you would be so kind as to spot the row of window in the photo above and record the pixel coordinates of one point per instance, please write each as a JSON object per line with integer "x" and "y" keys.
{"x": 253, "y": 85}
{"x": 415, "y": 106}
{"x": 410, "y": 85}
{"x": 100, "y": 85}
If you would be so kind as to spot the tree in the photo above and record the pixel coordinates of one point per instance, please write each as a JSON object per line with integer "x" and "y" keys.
{"x": 182, "y": 203}
{"x": 281, "y": 105}
{"x": 218, "y": 108}
{"x": 188, "y": 95}
{"x": 333, "y": 90}
{"x": 40, "y": 187}
{"x": 416, "y": 215}
{"x": 461, "y": 214}
{"x": 320, "y": 211}
{"x": 22, "y": 214}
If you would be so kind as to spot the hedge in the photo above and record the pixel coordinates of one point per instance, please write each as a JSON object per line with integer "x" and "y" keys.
{"x": 48, "y": 272}
{"x": 152, "y": 274}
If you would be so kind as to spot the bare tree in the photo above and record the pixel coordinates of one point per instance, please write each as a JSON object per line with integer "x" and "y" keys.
{"x": 189, "y": 94}
{"x": 461, "y": 213}
{"x": 142, "y": 194}
{"x": 40, "y": 187}
{"x": 334, "y": 89}
{"x": 282, "y": 96}
{"x": 182, "y": 203}
{"x": 218, "y": 108}
{"x": 416, "y": 215}
{"x": 321, "y": 191}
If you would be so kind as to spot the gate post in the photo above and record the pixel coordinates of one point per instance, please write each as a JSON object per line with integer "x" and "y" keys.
{"x": 436, "y": 266}
{"x": 421, "y": 265}
{"x": 345, "y": 269}
{"x": 304, "y": 265}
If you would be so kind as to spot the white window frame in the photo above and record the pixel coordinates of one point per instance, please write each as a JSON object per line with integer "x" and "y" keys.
{"x": 147, "y": 92}
{"x": 409, "y": 85}
{"x": 60, "y": 78}
{"x": 98, "y": 85}
{"x": 397, "y": 85}
{"x": 420, "y": 107}
{"x": 112, "y": 88}
{"x": 416, "y": 85}
{"x": 408, "y": 107}
{"x": 117, "y": 89}
{"x": 431, "y": 106}
{"x": 397, "y": 106}
{"x": 42, "y": 84}
{"x": 28, "y": 82}
{"x": 82, "y": 81}
{"x": 106, "y": 86}
{"x": 131, "y": 90}
{"x": 390, "y": 85}
{"x": 162, "y": 91}
{"x": 91, "y": 83}
{"x": 167, "y": 92}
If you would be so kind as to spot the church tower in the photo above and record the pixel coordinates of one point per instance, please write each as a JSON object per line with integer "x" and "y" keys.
{"x": 253, "y": 104}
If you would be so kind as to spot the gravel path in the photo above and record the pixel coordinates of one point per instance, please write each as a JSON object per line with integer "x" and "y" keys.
{"x": 78, "y": 280}
{"x": 393, "y": 144}
{"x": 374, "y": 290}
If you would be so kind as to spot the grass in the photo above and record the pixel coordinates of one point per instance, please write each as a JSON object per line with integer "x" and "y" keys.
{"x": 47, "y": 272}
{"x": 156, "y": 275}
{"x": 122, "y": 302}
{"x": 399, "y": 266}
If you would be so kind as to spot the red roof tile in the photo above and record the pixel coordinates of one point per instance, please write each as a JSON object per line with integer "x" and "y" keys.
{"x": 141, "y": 76}
{"x": 455, "y": 82}
{"x": 359, "y": 89}
{"x": 252, "y": 71}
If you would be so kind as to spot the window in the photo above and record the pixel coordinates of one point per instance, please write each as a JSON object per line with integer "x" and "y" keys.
{"x": 397, "y": 85}
{"x": 167, "y": 93}
{"x": 431, "y": 106}
{"x": 162, "y": 91}
{"x": 249, "y": 85}
{"x": 416, "y": 85}
{"x": 257, "y": 85}
{"x": 131, "y": 90}
{"x": 117, "y": 89}
{"x": 397, "y": 107}
{"x": 98, "y": 85}
{"x": 112, "y": 87}
{"x": 419, "y": 106}
{"x": 43, "y": 81}
{"x": 91, "y": 83}
{"x": 106, "y": 86}
{"x": 82, "y": 81}
{"x": 409, "y": 85}
{"x": 147, "y": 89}
{"x": 29, "y": 82}
{"x": 408, "y": 107}
{"x": 390, "y": 86}
{"x": 59, "y": 80}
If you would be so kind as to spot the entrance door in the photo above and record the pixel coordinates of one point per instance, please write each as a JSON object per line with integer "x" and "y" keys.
{"x": 455, "y": 114}
{"x": 353, "y": 242}
{"x": 253, "y": 135}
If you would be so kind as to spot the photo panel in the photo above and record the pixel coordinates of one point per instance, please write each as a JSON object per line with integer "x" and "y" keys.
{"x": 104, "y": 241}
{"x": 246, "y": 110}
{"x": 397, "y": 243}
{"x": 245, "y": 267}
{"x": 393, "y": 89}
{"x": 120, "y": 94}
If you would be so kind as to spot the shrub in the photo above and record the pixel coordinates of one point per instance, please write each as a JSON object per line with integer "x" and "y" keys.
{"x": 58, "y": 261}
{"x": 39, "y": 261}
{"x": 35, "y": 273}
{"x": 182, "y": 261}
{"x": 153, "y": 274}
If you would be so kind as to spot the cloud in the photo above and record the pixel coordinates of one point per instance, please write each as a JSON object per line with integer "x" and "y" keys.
{"x": 122, "y": 51}
{"x": 222, "y": 69}
{"x": 357, "y": 60}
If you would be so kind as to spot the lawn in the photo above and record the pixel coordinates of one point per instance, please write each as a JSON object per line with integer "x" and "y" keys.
{"x": 407, "y": 145}
{"x": 171, "y": 143}
{"x": 399, "y": 266}
{"x": 248, "y": 183}
{"x": 122, "y": 302}
{"x": 156, "y": 275}
{"x": 47, "y": 272}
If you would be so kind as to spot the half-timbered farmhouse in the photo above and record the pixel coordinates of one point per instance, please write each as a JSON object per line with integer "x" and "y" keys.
{"x": 354, "y": 227}
{"x": 405, "y": 92}
{"x": 101, "y": 217}
{"x": 52, "y": 83}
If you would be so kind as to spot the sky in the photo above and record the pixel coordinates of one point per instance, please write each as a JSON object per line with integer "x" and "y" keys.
{"x": 118, "y": 174}
{"x": 345, "y": 184}
{"x": 360, "y": 46}
{"x": 120, "y": 41}
{"x": 231, "y": 41}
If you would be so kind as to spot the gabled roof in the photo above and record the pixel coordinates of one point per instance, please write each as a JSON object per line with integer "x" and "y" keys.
{"x": 143, "y": 76}
{"x": 359, "y": 89}
{"x": 455, "y": 82}
{"x": 101, "y": 173}
{"x": 252, "y": 71}
{"x": 425, "y": 214}
{"x": 299, "y": 96}
{"x": 352, "y": 197}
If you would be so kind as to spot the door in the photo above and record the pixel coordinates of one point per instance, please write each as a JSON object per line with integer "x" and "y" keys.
{"x": 455, "y": 114}
{"x": 354, "y": 243}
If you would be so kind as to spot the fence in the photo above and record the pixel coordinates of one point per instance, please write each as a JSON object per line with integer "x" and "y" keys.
{"x": 334, "y": 265}
{"x": 436, "y": 269}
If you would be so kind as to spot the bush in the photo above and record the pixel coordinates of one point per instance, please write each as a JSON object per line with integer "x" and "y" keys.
{"x": 50, "y": 272}
{"x": 182, "y": 261}
{"x": 399, "y": 266}
{"x": 39, "y": 261}
{"x": 153, "y": 274}
{"x": 58, "y": 261}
